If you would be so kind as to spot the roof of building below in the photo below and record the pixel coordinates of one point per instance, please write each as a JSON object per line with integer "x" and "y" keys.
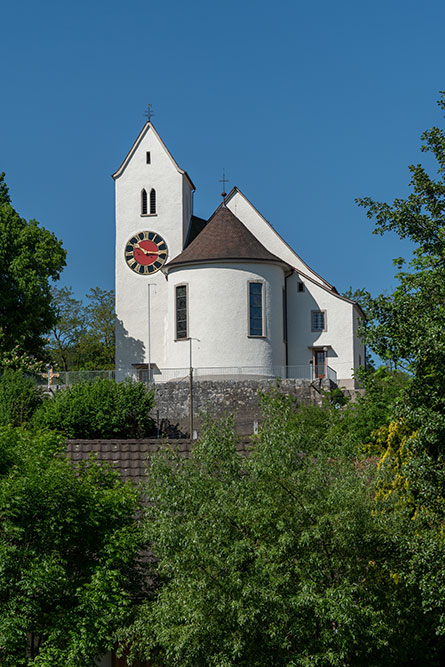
{"x": 130, "y": 457}
{"x": 224, "y": 238}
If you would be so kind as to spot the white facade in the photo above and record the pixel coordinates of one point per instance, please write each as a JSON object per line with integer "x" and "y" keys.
{"x": 218, "y": 317}
{"x": 217, "y": 288}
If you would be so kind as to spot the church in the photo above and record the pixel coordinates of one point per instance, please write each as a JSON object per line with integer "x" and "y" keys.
{"x": 227, "y": 296}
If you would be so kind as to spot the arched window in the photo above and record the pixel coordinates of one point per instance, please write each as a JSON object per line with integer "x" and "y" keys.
{"x": 152, "y": 201}
{"x": 144, "y": 202}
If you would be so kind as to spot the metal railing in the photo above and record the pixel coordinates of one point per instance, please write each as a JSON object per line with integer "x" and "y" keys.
{"x": 162, "y": 375}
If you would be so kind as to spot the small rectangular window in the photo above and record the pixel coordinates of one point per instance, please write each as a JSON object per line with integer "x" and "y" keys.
{"x": 256, "y": 320}
{"x": 181, "y": 312}
{"x": 318, "y": 318}
{"x": 148, "y": 157}
{"x": 301, "y": 287}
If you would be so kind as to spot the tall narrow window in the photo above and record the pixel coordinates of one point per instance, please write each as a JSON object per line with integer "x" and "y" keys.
{"x": 181, "y": 312}
{"x": 152, "y": 201}
{"x": 256, "y": 320}
{"x": 148, "y": 157}
{"x": 144, "y": 202}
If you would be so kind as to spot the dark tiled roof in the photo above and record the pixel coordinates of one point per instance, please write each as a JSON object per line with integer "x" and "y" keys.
{"x": 130, "y": 456}
{"x": 224, "y": 238}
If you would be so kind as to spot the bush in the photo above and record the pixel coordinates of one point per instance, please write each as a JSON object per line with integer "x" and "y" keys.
{"x": 99, "y": 409}
{"x": 19, "y": 398}
{"x": 69, "y": 549}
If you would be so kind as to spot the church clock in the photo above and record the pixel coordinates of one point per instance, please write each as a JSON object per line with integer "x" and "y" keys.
{"x": 146, "y": 253}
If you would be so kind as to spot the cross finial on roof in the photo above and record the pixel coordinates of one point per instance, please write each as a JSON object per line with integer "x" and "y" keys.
{"x": 149, "y": 113}
{"x": 224, "y": 180}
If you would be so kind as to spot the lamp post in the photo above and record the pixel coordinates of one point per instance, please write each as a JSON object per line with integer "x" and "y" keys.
{"x": 191, "y": 386}
{"x": 148, "y": 336}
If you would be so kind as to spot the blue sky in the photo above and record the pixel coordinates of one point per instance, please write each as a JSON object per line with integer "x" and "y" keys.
{"x": 305, "y": 105}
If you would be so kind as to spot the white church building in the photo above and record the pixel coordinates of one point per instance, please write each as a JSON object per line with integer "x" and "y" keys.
{"x": 227, "y": 296}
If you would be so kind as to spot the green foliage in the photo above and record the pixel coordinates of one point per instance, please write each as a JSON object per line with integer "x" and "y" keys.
{"x": 25, "y": 299}
{"x": 67, "y": 328}
{"x": 376, "y": 405}
{"x": 99, "y": 409}
{"x": 97, "y": 344}
{"x": 4, "y": 190}
{"x": 407, "y": 328}
{"x": 17, "y": 360}
{"x": 19, "y": 398}
{"x": 277, "y": 558}
{"x": 82, "y": 337}
{"x": 68, "y": 554}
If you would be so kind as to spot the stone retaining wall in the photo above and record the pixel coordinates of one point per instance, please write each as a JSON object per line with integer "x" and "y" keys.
{"x": 222, "y": 397}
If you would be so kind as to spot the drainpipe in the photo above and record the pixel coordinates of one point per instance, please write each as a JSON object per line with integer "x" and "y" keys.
{"x": 286, "y": 276}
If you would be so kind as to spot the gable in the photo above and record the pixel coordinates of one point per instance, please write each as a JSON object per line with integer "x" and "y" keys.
{"x": 240, "y": 206}
{"x": 150, "y": 129}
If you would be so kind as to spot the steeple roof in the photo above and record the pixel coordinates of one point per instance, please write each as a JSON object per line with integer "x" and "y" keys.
{"x": 149, "y": 127}
{"x": 224, "y": 238}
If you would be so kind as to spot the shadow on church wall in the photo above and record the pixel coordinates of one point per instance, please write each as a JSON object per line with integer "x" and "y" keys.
{"x": 129, "y": 350}
{"x": 301, "y": 338}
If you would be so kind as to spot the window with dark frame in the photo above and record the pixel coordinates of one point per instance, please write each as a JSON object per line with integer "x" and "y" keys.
{"x": 181, "y": 312}
{"x": 301, "y": 287}
{"x": 318, "y": 320}
{"x": 256, "y": 309}
{"x": 148, "y": 157}
{"x": 152, "y": 201}
{"x": 144, "y": 202}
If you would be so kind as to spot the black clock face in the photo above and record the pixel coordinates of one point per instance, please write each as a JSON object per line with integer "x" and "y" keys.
{"x": 146, "y": 253}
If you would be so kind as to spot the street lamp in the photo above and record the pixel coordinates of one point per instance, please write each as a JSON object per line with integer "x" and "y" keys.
{"x": 148, "y": 335}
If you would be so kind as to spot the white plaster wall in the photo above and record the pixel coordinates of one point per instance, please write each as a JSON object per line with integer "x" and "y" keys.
{"x": 218, "y": 316}
{"x": 264, "y": 232}
{"x": 131, "y": 289}
{"x": 339, "y": 334}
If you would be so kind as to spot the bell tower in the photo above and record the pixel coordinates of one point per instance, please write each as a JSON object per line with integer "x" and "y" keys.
{"x": 153, "y": 214}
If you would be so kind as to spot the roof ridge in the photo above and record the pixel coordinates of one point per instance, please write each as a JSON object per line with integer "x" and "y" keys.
{"x": 225, "y": 238}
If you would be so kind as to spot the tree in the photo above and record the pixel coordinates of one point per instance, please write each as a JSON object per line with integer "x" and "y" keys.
{"x": 30, "y": 256}
{"x": 82, "y": 337}
{"x": 97, "y": 343}
{"x": 407, "y": 328}
{"x": 67, "y": 328}
{"x": 277, "y": 557}
{"x": 69, "y": 550}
